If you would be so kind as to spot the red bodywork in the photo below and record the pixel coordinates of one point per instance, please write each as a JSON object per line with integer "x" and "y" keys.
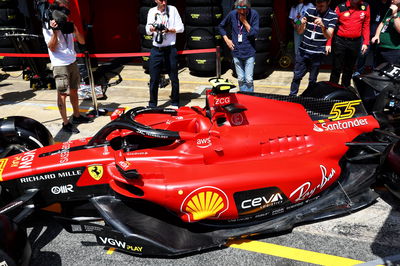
{"x": 227, "y": 165}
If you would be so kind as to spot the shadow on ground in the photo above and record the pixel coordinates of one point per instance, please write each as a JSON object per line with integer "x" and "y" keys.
{"x": 43, "y": 233}
{"x": 385, "y": 245}
{"x": 15, "y": 97}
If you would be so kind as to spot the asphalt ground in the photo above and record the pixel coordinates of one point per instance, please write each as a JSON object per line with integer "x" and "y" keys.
{"x": 370, "y": 236}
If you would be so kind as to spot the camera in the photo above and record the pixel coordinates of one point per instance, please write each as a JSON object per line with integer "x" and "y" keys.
{"x": 48, "y": 12}
{"x": 60, "y": 15}
{"x": 311, "y": 19}
{"x": 160, "y": 35}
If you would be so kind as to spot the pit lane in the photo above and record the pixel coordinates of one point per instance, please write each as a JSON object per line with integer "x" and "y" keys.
{"x": 370, "y": 235}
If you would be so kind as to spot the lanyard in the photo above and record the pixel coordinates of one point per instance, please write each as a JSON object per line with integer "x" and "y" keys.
{"x": 239, "y": 27}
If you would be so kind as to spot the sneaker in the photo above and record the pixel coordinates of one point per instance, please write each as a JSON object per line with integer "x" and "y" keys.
{"x": 70, "y": 128}
{"x": 81, "y": 120}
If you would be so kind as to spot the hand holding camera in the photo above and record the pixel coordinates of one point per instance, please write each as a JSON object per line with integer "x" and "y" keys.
{"x": 58, "y": 19}
{"x": 160, "y": 30}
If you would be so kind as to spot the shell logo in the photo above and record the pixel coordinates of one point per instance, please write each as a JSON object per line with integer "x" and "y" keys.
{"x": 204, "y": 202}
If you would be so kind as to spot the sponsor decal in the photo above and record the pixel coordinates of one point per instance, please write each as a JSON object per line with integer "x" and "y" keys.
{"x": 305, "y": 191}
{"x": 137, "y": 153}
{"x": 237, "y": 119}
{"x": 27, "y": 159}
{"x": 394, "y": 72}
{"x": 85, "y": 228}
{"x": 340, "y": 125}
{"x": 96, "y": 171}
{"x": 317, "y": 128}
{"x": 203, "y": 143}
{"x": 174, "y": 118}
{"x": 344, "y": 110}
{"x": 106, "y": 151}
{"x": 205, "y": 202}
{"x": 3, "y": 163}
{"x": 278, "y": 211}
{"x": 15, "y": 162}
{"x": 64, "y": 154}
{"x": 75, "y": 172}
{"x": 124, "y": 164}
{"x": 222, "y": 101}
{"x": 107, "y": 241}
{"x": 259, "y": 200}
{"x": 62, "y": 189}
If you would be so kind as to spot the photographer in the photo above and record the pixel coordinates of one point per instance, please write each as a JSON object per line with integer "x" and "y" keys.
{"x": 59, "y": 35}
{"x": 163, "y": 22}
{"x": 318, "y": 26}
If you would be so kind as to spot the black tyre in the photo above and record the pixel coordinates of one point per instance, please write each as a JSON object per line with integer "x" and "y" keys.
{"x": 145, "y": 59}
{"x": 19, "y": 134}
{"x": 6, "y": 259}
{"x": 329, "y": 91}
{"x": 263, "y": 41}
{"x": 144, "y": 10}
{"x": 150, "y": 3}
{"x": 9, "y": 17}
{"x": 10, "y": 63}
{"x": 203, "y": 16}
{"x": 262, "y": 64}
{"x": 146, "y": 40}
{"x": 265, "y": 14}
{"x": 6, "y": 42}
{"x": 203, "y": 2}
{"x": 14, "y": 245}
{"x": 202, "y": 37}
{"x": 262, "y": 3}
{"x": 202, "y": 64}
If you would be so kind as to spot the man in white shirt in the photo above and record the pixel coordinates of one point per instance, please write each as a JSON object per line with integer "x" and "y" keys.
{"x": 163, "y": 22}
{"x": 65, "y": 70}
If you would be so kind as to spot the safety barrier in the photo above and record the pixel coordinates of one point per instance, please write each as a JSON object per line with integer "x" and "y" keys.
{"x": 87, "y": 57}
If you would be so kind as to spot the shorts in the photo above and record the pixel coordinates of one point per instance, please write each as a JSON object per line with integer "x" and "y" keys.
{"x": 66, "y": 77}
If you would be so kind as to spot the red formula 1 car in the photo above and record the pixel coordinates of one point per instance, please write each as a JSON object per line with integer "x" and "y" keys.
{"x": 168, "y": 182}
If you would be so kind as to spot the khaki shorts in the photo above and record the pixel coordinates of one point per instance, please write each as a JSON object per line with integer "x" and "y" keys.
{"x": 66, "y": 77}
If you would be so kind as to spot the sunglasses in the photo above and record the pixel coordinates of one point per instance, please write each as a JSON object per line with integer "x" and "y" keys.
{"x": 241, "y": 7}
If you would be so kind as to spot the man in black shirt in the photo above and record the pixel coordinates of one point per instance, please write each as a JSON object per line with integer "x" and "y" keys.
{"x": 378, "y": 10}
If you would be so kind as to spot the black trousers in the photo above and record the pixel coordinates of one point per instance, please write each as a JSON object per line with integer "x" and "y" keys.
{"x": 167, "y": 55}
{"x": 344, "y": 57}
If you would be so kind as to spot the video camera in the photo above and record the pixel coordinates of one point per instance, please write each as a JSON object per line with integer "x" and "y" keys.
{"x": 159, "y": 29}
{"x": 311, "y": 18}
{"x": 48, "y": 12}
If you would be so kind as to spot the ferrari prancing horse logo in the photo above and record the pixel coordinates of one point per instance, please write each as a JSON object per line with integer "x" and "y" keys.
{"x": 96, "y": 171}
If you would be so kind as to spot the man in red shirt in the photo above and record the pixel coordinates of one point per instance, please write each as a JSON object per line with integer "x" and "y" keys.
{"x": 353, "y": 22}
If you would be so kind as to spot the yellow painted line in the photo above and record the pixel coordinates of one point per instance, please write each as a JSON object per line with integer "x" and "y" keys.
{"x": 68, "y": 109}
{"x": 292, "y": 253}
{"x": 80, "y": 110}
{"x": 110, "y": 251}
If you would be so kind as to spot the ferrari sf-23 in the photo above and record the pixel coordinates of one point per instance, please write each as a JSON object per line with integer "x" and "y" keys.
{"x": 164, "y": 182}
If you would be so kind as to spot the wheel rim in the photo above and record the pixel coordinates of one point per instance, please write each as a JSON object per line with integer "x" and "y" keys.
{"x": 13, "y": 149}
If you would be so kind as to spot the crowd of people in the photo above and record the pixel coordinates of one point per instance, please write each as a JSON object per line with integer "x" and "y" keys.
{"x": 355, "y": 30}
{"x": 352, "y": 31}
